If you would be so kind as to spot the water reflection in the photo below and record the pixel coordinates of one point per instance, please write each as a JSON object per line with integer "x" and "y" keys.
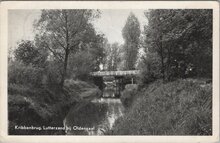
{"x": 114, "y": 111}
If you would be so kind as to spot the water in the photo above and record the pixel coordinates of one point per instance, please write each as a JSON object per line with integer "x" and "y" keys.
{"x": 114, "y": 111}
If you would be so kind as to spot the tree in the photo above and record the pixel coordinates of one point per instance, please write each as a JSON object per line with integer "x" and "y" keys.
{"x": 80, "y": 65}
{"x": 154, "y": 32}
{"x": 149, "y": 68}
{"x": 131, "y": 33}
{"x": 182, "y": 39}
{"x": 62, "y": 32}
{"x": 88, "y": 57}
{"x": 93, "y": 43}
{"x": 28, "y": 53}
{"x": 113, "y": 56}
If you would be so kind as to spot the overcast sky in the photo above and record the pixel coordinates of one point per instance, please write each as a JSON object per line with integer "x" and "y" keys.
{"x": 110, "y": 23}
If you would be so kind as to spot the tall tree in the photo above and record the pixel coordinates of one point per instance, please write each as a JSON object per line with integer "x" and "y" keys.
{"x": 154, "y": 33}
{"x": 113, "y": 56}
{"x": 89, "y": 55}
{"x": 182, "y": 39}
{"x": 62, "y": 32}
{"x": 131, "y": 33}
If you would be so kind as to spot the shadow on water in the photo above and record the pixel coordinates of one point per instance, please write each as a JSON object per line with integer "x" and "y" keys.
{"x": 95, "y": 117}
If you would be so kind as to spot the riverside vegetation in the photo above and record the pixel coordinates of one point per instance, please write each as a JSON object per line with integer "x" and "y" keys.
{"x": 181, "y": 107}
{"x": 42, "y": 105}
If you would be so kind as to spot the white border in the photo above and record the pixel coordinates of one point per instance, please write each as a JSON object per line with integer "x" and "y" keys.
{"x": 5, "y": 6}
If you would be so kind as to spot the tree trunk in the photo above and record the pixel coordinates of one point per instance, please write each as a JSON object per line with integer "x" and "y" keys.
{"x": 66, "y": 52}
{"x": 64, "y": 67}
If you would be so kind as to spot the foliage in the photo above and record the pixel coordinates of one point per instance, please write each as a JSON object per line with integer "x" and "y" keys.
{"x": 28, "y": 53}
{"x": 78, "y": 85}
{"x": 183, "y": 41}
{"x": 93, "y": 44}
{"x": 19, "y": 73}
{"x": 31, "y": 103}
{"x": 128, "y": 95}
{"x": 62, "y": 31}
{"x": 131, "y": 33}
{"x": 80, "y": 65}
{"x": 42, "y": 106}
{"x": 182, "y": 107}
{"x": 113, "y": 56}
{"x": 149, "y": 68}
{"x": 29, "y": 75}
{"x": 53, "y": 74}
{"x": 88, "y": 57}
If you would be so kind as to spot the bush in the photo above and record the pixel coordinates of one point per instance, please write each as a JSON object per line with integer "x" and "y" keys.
{"x": 128, "y": 95}
{"x": 27, "y": 106}
{"x": 150, "y": 68}
{"x": 19, "y": 73}
{"x": 182, "y": 107}
{"x": 38, "y": 107}
{"x": 30, "y": 75}
{"x": 53, "y": 74}
{"x": 77, "y": 85}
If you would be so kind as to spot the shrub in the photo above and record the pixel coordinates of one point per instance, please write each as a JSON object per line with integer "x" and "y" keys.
{"x": 150, "y": 68}
{"x": 53, "y": 73}
{"x": 19, "y": 73}
{"x": 38, "y": 107}
{"x": 27, "y": 106}
{"x": 77, "y": 85}
{"x": 128, "y": 94}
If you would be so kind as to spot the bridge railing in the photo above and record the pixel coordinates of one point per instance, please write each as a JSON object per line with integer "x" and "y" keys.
{"x": 115, "y": 73}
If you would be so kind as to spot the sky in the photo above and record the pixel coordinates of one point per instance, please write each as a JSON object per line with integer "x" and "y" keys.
{"x": 20, "y": 25}
{"x": 111, "y": 22}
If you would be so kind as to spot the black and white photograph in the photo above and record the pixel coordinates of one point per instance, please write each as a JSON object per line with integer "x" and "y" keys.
{"x": 110, "y": 71}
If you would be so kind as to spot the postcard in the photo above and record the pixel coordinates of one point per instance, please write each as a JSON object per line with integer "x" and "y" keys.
{"x": 109, "y": 71}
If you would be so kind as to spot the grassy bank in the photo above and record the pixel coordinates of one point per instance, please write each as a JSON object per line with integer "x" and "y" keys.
{"x": 45, "y": 106}
{"x": 182, "y": 107}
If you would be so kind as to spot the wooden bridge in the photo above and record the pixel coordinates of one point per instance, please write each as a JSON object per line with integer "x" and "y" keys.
{"x": 116, "y": 73}
{"x": 120, "y": 78}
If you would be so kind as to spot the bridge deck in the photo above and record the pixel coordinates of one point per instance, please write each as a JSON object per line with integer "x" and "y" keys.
{"x": 115, "y": 73}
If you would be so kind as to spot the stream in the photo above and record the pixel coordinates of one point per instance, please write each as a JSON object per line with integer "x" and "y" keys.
{"x": 102, "y": 123}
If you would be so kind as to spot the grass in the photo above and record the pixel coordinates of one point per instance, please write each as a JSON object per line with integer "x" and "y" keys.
{"x": 182, "y": 107}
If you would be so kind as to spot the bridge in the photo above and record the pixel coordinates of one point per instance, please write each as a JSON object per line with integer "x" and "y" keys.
{"x": 118, "y": 78}
{"x": 116, "y": 73}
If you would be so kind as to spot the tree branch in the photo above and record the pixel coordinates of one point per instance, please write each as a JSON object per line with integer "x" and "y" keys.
{"x": 77, "y": 43}
{"x": 57, "y": 55}
{"x": 59, "y": 42}
{"x": 80, "y": 25}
